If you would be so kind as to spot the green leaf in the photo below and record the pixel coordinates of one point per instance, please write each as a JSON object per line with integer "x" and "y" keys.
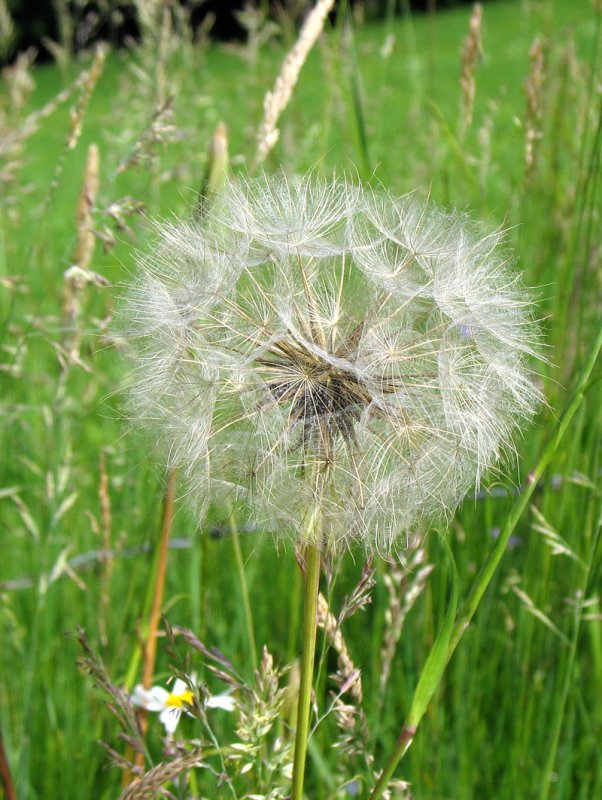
{"x": 436, "y": 662}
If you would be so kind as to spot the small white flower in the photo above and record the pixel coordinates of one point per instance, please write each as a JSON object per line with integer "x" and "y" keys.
{"x": 170, "y": 704}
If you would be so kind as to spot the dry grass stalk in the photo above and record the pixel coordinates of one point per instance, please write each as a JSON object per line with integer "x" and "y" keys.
{"x": 104, "y": 498}
{"x": 78, "y": 112}
{"x": 33, "y": 121}
{"x": 534, "y": 113}
{"x": 79, "y": 275}
{"x": 484, "y": 137}
{"x": 19, "y": 80}
{"x": 88, "y": 86}
{"x": 118, "y": 701}
{"x": 352, "y": 741}
{"x": 7, "y": 31}
{"x": 157, "y": 133}
{"x": 150, "y": 785}
{"x": 405, "y": 583}
{"x": 165, "y": 37}
{"x": 259, "y": 28}
{"x": 13, "y": 137}
{"x": 276, "y": 101}
{"x": 150, "y": 645}
{"x": 472, "y": 50}
{"x": 85, "y": 205}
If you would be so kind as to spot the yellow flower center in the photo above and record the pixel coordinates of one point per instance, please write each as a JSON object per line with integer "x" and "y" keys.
{"x": 179, "y": 700}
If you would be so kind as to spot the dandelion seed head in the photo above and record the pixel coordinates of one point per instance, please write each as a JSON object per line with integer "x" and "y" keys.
{"x": 314, "y": 343}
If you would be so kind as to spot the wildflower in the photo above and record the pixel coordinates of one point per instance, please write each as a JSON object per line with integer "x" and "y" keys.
{"x": 312, "y": 344}
{"x": 170, "y": 704}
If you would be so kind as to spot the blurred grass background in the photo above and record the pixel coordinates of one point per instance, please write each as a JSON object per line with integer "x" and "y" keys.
{"x": 382, "y": 101}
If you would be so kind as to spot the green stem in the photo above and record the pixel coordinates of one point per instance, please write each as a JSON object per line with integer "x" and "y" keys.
{"x": 556, "y": 726}
{"x": 244, "y": 588}
{"x": 310, "y": 606}
{"x": 490, "y": 566}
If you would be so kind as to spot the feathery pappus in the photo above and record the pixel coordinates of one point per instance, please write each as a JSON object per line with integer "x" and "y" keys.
{"x": 311, "y": 343}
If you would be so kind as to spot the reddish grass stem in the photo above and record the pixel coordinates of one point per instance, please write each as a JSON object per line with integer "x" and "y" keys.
{"x": 5, "y": 774}
{"x": 150, "y": 647}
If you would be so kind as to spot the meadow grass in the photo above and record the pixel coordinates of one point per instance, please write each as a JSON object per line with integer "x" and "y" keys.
{"x": 518, "y": 712}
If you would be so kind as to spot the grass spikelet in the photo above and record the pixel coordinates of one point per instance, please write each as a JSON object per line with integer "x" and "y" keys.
{"x": 534, "y": 111}
{"x": 150, "y": 784}
{"x": 259, "y": 749}
{"x": 118, "y": 701}
{"x": 79, "y": 275}
{"x": 18, "y": 79}
{"x": 472, "y": 51}
{"x": 88, "y": 86}
{"x": 276, "y": 101}
{"x": 348, "y": 675}
{"x": 156, "y": 134}
{"x": 353, "y": 731}
{"x": 87, "y": 199}
{"x": 405, "y": 583}
{"x": 13, "y": 136}
{"x": 7, "y": 31}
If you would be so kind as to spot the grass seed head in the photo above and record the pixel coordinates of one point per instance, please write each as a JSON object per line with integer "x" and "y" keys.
{"x": 314, "y": 342}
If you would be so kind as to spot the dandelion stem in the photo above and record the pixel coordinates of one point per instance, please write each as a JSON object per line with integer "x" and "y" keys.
{"x": 312, "y": 581}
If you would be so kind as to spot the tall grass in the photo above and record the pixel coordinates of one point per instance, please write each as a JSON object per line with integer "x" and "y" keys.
{"x": 517, "y": 714}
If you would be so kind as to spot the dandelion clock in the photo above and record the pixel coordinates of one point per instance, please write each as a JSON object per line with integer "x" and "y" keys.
{"x": 312, "y": 345}
{"x": 335, "y": 363}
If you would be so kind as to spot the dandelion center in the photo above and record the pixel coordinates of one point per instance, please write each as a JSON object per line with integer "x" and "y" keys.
{"x": 324, "y": 401}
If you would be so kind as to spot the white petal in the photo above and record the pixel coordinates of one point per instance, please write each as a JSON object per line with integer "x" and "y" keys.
{"x": 152, "y": 699}
{"x": 179, "y": 687}
{"x": 224, "y": 701}
{"x": 169, "y": 718}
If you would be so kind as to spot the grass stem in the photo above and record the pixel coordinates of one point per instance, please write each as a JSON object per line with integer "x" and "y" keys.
{"x": 150, "y": 647}
{"x": 6, "y": 779}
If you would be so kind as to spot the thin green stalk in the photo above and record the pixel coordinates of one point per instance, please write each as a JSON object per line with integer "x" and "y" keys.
{"x": 244, "y": 588}
{"x": 149, "y": 651}
{"x": 216, "y": 169}
{"x": 312, "y": 580}
{"x": 593, "y": 528}
{"x": 488, "y": 569}
{"x": 147, "y": 606}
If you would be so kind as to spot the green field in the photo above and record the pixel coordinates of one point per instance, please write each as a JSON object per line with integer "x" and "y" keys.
{"x": 518, "y": 713}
